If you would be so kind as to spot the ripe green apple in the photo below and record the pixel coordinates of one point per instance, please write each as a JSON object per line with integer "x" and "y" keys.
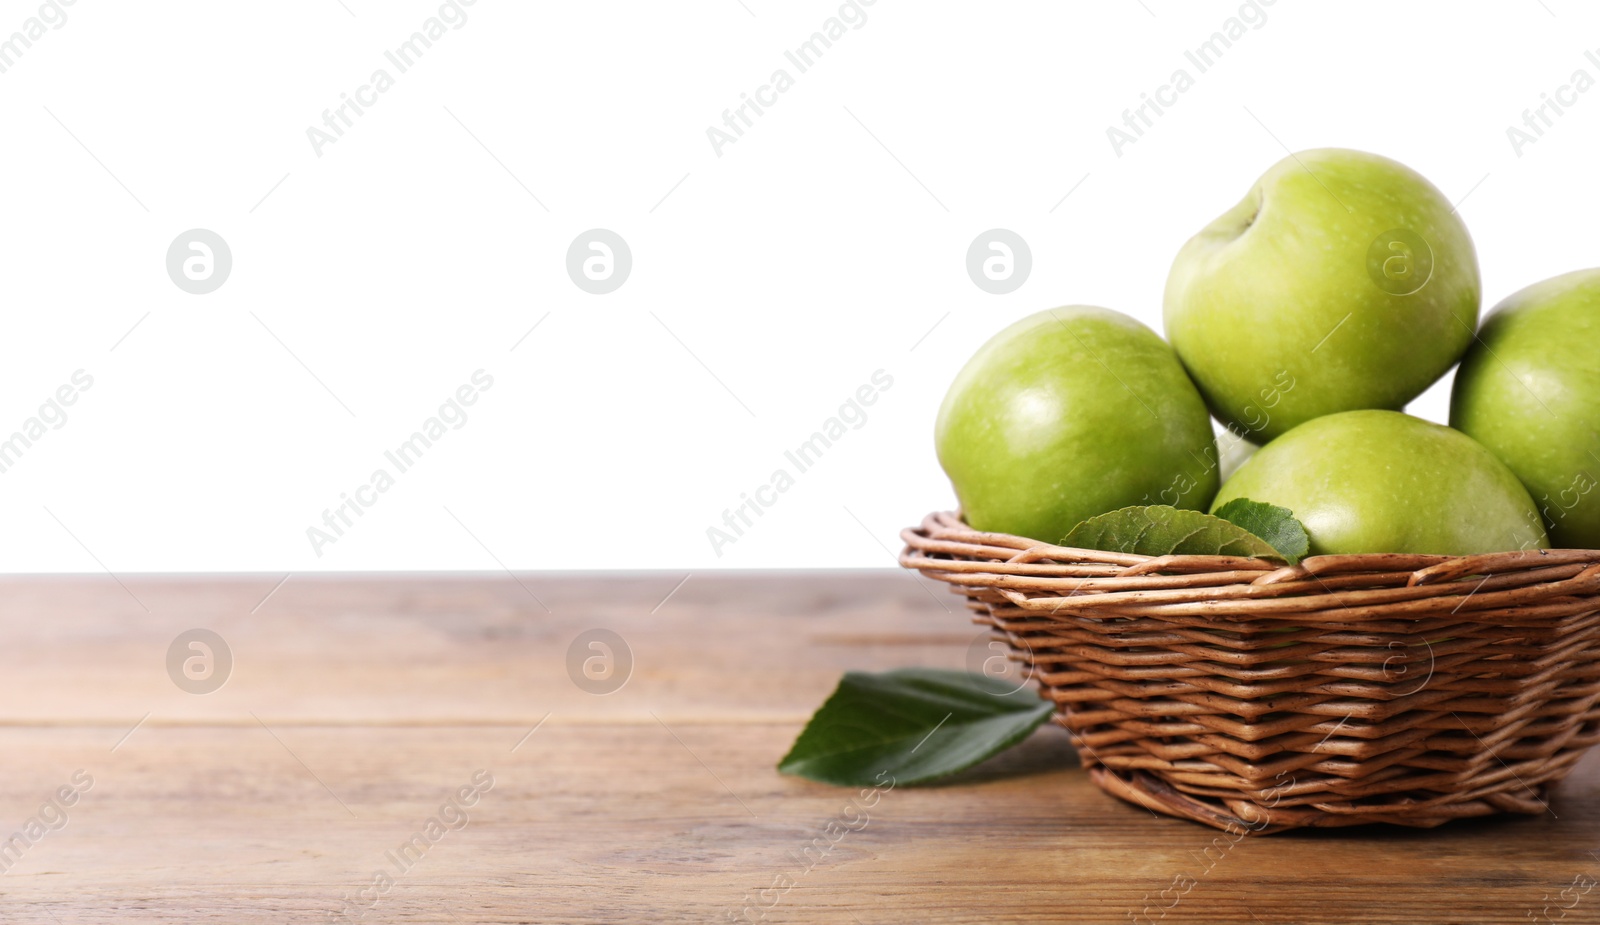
{"x": 1383, "y": 481}
{"x": 1070, "y": 413}
{"x": 1342, "y": 280}
{"x": 1530, "y": 392}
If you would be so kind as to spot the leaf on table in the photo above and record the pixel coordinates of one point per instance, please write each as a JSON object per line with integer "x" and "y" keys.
{"x": 1276, "y": 525}
{"x": 911, "y": 725}
{"x": 1162, "y": 530}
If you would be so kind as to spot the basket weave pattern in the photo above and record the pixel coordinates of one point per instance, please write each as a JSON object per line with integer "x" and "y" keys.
{"x": 1344, "y": 690}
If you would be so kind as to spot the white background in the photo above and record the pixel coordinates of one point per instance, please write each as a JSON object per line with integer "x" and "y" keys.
{"x": 774, "y": 278}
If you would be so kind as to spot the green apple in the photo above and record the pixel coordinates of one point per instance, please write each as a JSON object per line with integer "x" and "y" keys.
{"x": 1343, "y": 280}
{"x": 1383, "y": 481}
{"x": 1530, "y": 392}
{"x": 1070, "y": 413}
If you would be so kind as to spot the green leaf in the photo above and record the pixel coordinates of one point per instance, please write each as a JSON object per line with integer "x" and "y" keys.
{"x": 1276, "y": 525}
{"x": 911, "y": 725}
{"x": 1161, "y": 530}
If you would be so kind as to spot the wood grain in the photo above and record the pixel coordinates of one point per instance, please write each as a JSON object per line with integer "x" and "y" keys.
{"x": 357, "y": 706}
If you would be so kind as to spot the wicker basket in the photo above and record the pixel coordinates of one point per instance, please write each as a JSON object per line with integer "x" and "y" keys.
{"x": 1345, "y": 690}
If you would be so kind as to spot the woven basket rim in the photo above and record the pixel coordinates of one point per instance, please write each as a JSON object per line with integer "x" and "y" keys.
{"x": 949, "y": 519}
{"x": 1035, "y": 575}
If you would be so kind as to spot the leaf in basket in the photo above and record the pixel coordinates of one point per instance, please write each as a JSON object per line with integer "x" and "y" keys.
{"x": 1276, "y": 525}
{"x": 911, "y": 725}
{"x": 1162, "y": 530}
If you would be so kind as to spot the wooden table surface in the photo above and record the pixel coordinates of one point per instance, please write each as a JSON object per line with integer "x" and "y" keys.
{"x": 358, "y": 708}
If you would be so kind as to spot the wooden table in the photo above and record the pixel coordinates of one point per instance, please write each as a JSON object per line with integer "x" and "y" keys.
{"x": 357, "y": 707}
